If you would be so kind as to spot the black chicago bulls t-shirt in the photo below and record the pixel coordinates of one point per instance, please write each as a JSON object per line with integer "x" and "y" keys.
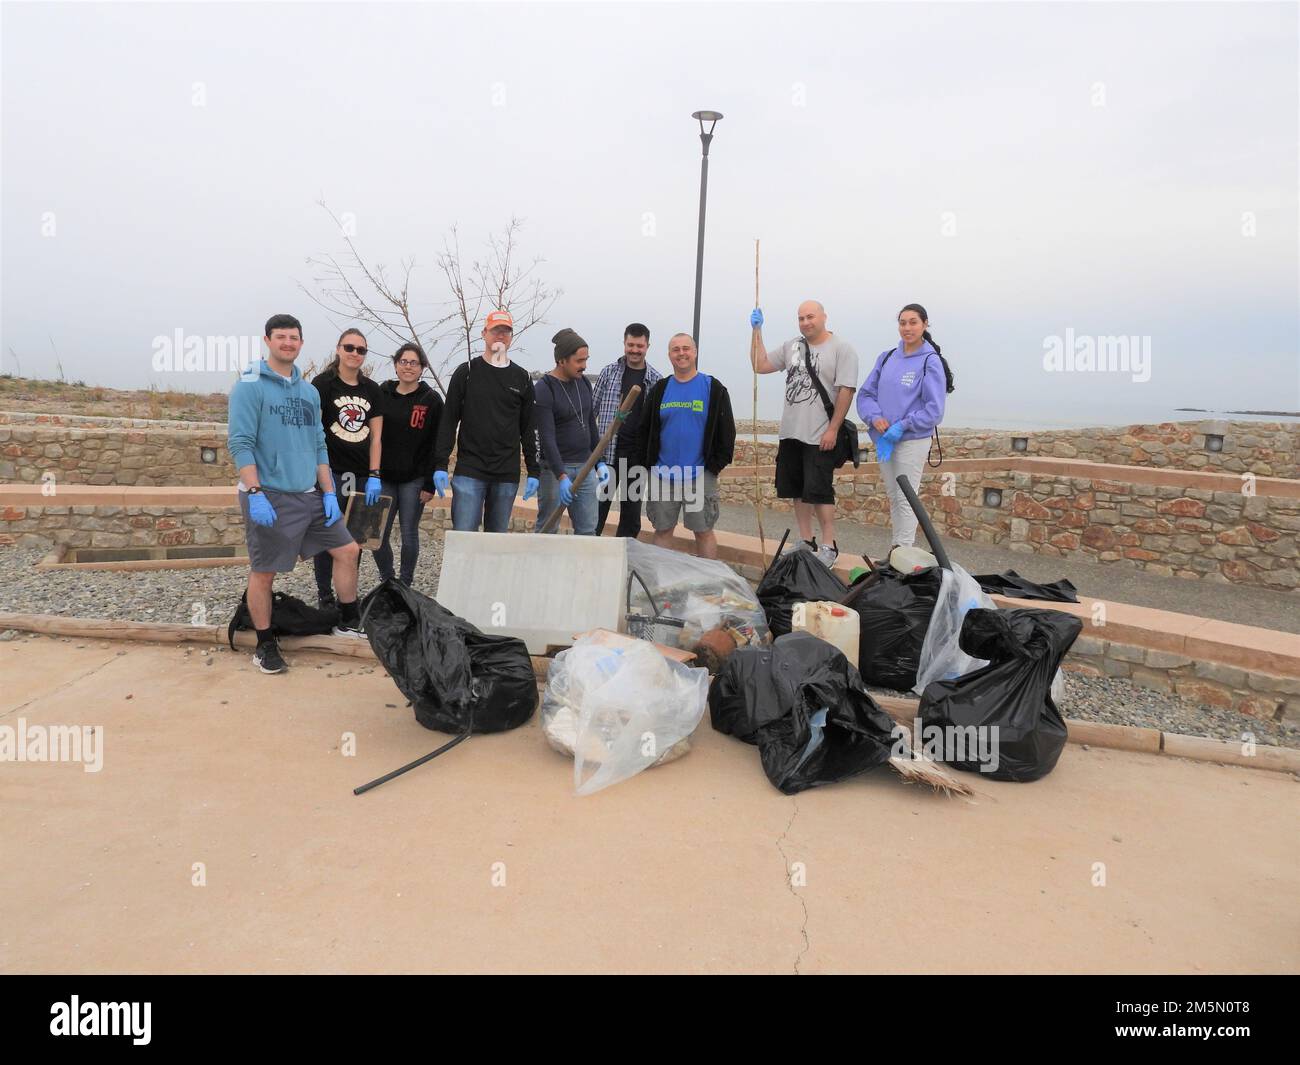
{"x": 346, "y": 411}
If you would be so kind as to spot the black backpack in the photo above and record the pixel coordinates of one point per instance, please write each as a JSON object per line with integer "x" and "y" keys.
{"x": 948, "y": 386}
{"x": 289, "y": 617}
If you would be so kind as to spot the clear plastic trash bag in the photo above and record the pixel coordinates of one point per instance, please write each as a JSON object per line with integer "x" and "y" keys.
{"x": 941, "y": 655}
{"x": 704, "y": 593}
{"x": 618, "y": 711}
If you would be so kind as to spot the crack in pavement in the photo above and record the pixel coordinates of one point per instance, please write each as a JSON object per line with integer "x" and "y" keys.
{"x": 803, "y": 929}
{"x": 55, "y": 691}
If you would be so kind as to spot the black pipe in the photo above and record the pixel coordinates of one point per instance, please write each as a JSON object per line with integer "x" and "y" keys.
{"x": 932, "y": 537}
{"x": 778, "y": 553}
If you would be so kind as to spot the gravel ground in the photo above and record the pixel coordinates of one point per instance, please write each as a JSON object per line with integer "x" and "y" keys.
{"x": 174, "y": 595}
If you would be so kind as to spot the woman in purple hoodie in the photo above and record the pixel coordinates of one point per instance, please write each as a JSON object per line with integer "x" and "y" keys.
{"x": 902, "y": 401}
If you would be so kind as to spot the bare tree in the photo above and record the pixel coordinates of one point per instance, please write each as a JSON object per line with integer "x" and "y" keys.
{"x": 353, "y": 290}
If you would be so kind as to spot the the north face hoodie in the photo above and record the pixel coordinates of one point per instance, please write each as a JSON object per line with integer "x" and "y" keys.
{"x": 273, "y": 423}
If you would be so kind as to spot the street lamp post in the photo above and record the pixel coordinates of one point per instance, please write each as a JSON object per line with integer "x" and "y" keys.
{"x": 711, "y": 117}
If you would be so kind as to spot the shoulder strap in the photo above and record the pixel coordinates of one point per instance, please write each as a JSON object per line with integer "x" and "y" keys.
{"x": 817, "y": 381}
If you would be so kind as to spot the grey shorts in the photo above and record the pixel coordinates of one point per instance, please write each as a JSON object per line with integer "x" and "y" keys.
{"x": 299, "y": 531}
{"x": 698, "y": 505}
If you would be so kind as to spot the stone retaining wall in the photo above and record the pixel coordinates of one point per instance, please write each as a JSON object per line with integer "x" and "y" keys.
{"x": 1168, "y": 530}
{"x": 1267, "y": 449}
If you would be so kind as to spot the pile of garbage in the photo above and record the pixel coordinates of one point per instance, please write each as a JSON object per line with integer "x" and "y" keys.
{"x": 786, "y": 667}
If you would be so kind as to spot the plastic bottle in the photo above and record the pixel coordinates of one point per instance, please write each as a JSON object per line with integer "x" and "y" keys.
{"x": 831, "y": 622}
{"x": 911, "y": 559}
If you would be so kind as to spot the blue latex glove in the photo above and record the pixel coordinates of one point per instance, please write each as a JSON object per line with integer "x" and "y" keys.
{"x": 332, "y": 512}
{"x": 260, "y": 510}
{"x": 530, "y": 488}
{"x": 602, "y": 471}
{"x": 440, "y": 483}
{"x": 566, "y": 492}
{"x": 756, "y": 319}
{"x": 885, "y": 445}
{"x": 373, "y": 487}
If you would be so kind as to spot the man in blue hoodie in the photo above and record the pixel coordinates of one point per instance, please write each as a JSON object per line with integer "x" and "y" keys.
{"x": 278, "y": 445}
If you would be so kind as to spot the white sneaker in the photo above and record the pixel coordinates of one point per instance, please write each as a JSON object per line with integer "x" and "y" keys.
{"x": 801, "y": 545}
{"x": 828, "y": 553}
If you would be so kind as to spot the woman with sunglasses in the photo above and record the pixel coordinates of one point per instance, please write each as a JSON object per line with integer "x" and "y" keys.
{"x": 351, "y": 409}
{"x": 411, "y": 413}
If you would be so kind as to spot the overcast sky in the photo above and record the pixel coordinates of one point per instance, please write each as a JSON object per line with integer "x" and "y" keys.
{"x": 1020, "y": 169}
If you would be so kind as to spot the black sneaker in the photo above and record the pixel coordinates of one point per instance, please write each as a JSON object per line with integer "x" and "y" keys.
{"x": 267, "y": 658}
{"x": 350, "y": 628}
{"x": 327, "y": 602}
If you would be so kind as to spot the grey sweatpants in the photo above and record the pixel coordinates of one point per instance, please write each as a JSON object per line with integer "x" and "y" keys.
{"x": 907, "y": 461}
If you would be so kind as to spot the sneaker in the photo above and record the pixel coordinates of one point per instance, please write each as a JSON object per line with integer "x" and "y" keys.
{"x": 828, "y": 553}
{"x": 326, "y": 602}
{"x": 352, "y": 629}
{"x": 267, "y": 658}
{"x": 802, "y": 545}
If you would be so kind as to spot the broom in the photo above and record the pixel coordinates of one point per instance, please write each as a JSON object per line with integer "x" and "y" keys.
{"x": 917, "y": 770}
{"x": 753, "y": 425}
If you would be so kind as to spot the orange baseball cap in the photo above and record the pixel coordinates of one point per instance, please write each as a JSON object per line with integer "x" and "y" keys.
{"x": 499, "y": 318}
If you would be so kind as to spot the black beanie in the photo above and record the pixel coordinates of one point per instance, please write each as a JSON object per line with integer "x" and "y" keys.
{"x": 566, "y": 342}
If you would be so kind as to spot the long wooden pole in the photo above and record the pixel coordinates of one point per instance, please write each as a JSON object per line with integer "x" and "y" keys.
{"x": 753, "y": 425}
{"x": 629, "y": 401}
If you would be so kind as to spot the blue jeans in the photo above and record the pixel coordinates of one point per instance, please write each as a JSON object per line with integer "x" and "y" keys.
{"x": 584, "y": 509}
{"x": 486, "y": 503}
{"x": 408, "y": 508}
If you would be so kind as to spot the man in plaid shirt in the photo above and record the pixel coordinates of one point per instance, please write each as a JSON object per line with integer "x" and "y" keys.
{"x": 615, "y": 381}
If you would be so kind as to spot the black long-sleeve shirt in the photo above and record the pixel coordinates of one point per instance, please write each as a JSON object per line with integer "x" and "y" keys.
{"x": 492, "y": 406}
{"x": 566, "y": 421}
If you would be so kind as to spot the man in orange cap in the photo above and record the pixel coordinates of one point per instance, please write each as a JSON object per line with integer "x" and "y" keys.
{"x": 490, "y": 402}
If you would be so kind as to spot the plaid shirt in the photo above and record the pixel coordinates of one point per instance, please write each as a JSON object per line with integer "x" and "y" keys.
{"x": 608, "y": 397}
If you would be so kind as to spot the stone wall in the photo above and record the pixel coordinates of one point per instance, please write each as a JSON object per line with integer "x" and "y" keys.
{"x": 113, "y": 454}
{"x": 1267, "y": 449}
{"x": 1169, "y": 530}
{"x": 1248, "y": 691}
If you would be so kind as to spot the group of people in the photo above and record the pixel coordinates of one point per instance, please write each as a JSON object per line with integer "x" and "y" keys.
{"x": 298, "y": 445}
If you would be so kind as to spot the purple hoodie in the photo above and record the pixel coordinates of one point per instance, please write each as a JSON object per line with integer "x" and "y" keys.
{"x": 909, "y": 389}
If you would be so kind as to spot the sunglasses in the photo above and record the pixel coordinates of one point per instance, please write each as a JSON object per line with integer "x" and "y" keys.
{"x": 360, "y": 349}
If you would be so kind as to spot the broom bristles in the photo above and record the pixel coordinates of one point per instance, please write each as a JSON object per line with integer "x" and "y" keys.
{"x": 916, "y": 770}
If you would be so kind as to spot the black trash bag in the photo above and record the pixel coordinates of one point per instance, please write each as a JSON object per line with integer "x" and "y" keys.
{"x": 290, "y": 616}
{"x": 1012, "y": 584}
{"x": 1024, "y": 648}
{"x": 456, "y": 677}
{"x": 796, "y": 577}
{"x": 805, "y": 706}
{"x": 894, "y": 611}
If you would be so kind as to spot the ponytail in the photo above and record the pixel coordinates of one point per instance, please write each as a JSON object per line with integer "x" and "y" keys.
{"x": 930, "y": 340}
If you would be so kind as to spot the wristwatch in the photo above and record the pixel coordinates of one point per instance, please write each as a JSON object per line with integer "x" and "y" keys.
{"x": 255, "y": 489}
{"x": 374, "y": 473}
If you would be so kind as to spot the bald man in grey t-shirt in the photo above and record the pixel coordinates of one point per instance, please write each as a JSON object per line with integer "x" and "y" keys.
{"x": 805, "y": 455}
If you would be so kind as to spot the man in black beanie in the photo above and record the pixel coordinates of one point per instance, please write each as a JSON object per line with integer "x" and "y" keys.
{"x": 566, "y": 430}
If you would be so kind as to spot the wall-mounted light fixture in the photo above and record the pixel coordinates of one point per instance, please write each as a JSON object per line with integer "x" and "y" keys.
{"x": 993, "y": 497}
{"x": 1213, "y": 442}
{"x": 1020, "y": 443}
{"x": 208, "y": 455}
